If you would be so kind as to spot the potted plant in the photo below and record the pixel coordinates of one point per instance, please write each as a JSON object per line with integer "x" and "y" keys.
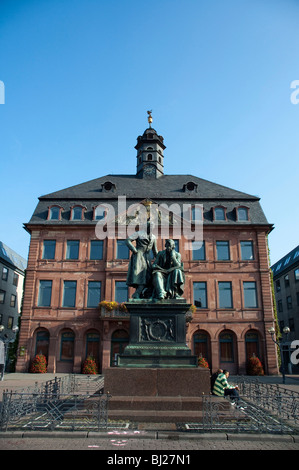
{"x": 90, "y": 366}
{"x": 254, "y": 366}
{"x": 202, "y": 362}
{"x": 108, "y": 306}
{"x": 39, "y": 364}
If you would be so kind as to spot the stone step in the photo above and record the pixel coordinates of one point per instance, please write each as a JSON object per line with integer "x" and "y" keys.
{"x": 161, "y": 403}
{"x": 156, "y": 416}
{"x": 167, "y": 416}
{"x": 228, "y": 413}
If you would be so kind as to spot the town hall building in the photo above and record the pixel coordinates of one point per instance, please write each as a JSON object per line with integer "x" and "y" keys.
{"x": 73, "y": 276}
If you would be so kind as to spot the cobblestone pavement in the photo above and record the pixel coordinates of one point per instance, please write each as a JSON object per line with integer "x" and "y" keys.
{"x": 118, "y": 444}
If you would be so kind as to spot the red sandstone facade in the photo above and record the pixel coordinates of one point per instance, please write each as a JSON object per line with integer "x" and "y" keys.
{"x": 225, "y": 334}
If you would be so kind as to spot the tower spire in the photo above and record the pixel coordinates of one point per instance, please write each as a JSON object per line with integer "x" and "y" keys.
{"x": 150, "y": 119}
{"x": 150, "y": 156}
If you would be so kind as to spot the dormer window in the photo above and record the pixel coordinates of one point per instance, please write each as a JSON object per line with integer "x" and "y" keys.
{"x": 77, "y": 213}
{"x": 219, "y": 213}
{"x": 99, "y": 212}
{"x": 54, "y": 213}
{"x": 190, "y": 186}
{"x": 242, "y": 214}
{"x": 196, "y": 213}
{"x": 108, "y": 186}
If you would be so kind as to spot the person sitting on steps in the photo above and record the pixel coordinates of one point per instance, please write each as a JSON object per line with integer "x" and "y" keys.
{"x": 214, "y": 377}
{"x": 222, "y": 388}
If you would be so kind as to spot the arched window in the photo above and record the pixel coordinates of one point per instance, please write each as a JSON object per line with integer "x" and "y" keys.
{"x": 54, "y": 213}
{"x": 219, "y": 213}
{"x": 196, "y": 213}
{"x": 93, "y": 345}
{"x": 242, "y": 214}
{"x": 201, "y": 345}
{"x": 42, "y": 343}
{"x": 99, "y": 212}
{"x": 77, "y": 213}
{"x": 119, "y": 341}
{"x": 67, "y": 346}
{"x": 226, "y": 347}
{"x": 251, "y": 344}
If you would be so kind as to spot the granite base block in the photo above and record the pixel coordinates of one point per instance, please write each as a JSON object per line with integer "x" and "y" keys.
{"x": 168, "y": 382}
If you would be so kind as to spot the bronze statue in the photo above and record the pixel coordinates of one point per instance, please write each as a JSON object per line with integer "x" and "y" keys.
{"x": 168, "y": 275}
{"x": 140, "y": 268}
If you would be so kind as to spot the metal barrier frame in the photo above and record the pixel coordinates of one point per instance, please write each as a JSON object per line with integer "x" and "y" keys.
{"x": 262, "y": 408}
{"x": 67, "y": 403}
{"x": 77, "y": 402}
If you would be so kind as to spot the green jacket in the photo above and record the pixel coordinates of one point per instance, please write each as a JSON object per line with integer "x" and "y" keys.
{"x": 220, "y": 385}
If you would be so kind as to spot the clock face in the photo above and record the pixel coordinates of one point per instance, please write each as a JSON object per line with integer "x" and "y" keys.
{"x": 149, "y": 170}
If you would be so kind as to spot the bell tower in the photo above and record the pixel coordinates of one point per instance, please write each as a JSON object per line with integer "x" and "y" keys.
{"x": 150, "y": 146}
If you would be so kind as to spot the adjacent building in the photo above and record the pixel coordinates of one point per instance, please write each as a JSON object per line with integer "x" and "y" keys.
{"x": 70, "y": 270}
{"x": 12, "y": 273}
{"x": 286, "y": 287}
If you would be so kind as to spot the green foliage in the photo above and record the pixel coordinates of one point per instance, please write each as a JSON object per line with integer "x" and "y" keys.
{"x": 277, "y": 330}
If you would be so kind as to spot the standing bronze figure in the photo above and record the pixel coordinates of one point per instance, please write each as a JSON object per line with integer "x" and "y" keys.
{"x": 140, "y": 269}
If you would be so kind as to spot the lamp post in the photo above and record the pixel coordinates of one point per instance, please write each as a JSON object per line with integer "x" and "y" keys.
{"x": 5, "y": 339}
{"x": 280, "y": 344}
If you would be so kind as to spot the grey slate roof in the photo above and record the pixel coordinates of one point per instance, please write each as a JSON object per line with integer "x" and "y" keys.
{"x": 167, "y": 189}
{"x": 286, "y": 262}
{"x": 12, "y": 258}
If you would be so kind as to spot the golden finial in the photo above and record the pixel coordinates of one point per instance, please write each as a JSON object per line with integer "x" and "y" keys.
{"x": 150, "y": 119}
{"x": 147, "y": 202}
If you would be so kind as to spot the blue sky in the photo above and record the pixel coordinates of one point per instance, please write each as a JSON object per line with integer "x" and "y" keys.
{"x": 79, "y": 76}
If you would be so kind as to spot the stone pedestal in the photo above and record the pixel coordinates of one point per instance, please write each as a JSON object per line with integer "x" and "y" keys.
{"x": 157, "y": 335}
{"x": 158, "y": 379}
{"x": 160, "y": 382}
{"x": 157, "y": 395}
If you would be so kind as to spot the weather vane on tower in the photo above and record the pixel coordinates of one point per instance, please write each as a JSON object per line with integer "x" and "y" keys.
{"x": 150, "y": 119}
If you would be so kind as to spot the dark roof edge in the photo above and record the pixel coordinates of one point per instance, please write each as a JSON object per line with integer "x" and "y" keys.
{"x": 27, "y": 226}
{"x": 189, "y": 197}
